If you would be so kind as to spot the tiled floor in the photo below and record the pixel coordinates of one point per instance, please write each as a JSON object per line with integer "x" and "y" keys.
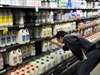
{"x": 96, "y": 71}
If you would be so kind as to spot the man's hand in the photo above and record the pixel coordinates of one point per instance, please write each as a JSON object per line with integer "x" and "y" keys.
{"x": 52, "y": 41}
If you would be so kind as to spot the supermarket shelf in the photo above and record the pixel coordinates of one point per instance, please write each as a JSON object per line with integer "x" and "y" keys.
{"x": 33, "y": 7}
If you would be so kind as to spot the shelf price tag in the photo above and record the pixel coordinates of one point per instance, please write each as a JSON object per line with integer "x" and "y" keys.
{"x": 37, "y": 24}
{"x": 2, "y": 50}
{"x": 32, "y": 42}
{"x": 5, "y": 30}
{"x": 21, "y": 26}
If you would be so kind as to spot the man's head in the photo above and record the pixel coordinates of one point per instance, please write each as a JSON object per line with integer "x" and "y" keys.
{"x": 60, "y": 36}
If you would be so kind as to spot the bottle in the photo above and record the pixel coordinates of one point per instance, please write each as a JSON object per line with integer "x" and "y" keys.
{"x": 49, "y": 45}
{"x": 5, "y": 17}
{"x": 8, "y": 39}
{"x": 32, "y": 72}
{"x": 10, "y": 18}
{"x": 1, "y": 62}
{"x": 59, "y": 57}
{"x": 37, "y": 70}
{"x": 51, "y": 16}
{"x": 17, "y": 73}
{"x": 24, "y": 51}
{"x": 37, "y": 31}
{"x": 12, "y": 58}
{"x": 43, "y": 17}
{"x": 21, "y": 18}
{"x": 52, "y": 61}
{"x": 32, "y": 48}
{"x": 3, "y": 39}
{"x": 28, "y": 51}
{"x": 13, "y": 37}
{"x": 27, "y": 35}
{"x": 21, "y": 37}
{"x": 42, "y": 67}
{"x": 33, "y": 62}
{"x": 19, "y": 56}
{"x": 47, "y": 16}
{"x": 1, "y": 17}
{"x": 12, "y": 72}
{"x": 44, "y": 46}
{"x": 27, "y": 73}
{"x": 48, "y": 64}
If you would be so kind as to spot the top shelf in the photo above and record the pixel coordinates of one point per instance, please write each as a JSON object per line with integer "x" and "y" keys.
{"x": 32, "y": 7}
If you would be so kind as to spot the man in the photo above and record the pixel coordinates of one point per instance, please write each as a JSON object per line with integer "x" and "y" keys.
{"x": 85, "y": 51}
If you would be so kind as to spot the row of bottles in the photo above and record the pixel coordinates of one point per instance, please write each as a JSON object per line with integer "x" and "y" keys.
{"x": 64, "y": 26}
{"x": 15, "y": 57}
{"x": 38, "y": 32}
{"x": 41, "y": 64}
{"x": 78, "y": 4}
{"x": 6, "y": 17}
{"x": 21, "y": 36}
{"x": 46, "y": 45}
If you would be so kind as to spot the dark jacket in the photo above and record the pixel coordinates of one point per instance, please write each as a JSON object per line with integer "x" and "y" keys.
{"x": 75, "y": 43}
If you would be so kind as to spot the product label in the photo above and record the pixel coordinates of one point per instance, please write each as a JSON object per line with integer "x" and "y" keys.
{"x": 13, "y": 38}
{"x": 1, "y": 18}
{"x": 2, "y": 40}
{"x": 10, "y": 19}
{"x": 23, "y": 38}
{"x": 15, "y": 60}
{"x": 8, "y": 40}
{"x": 45, "y": 33}
{"x": 27, "y": 37}
{"x": 20, "y": 58}
{"x": 1, "y": 63}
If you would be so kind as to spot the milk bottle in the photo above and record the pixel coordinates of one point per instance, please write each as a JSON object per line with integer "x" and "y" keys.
{"x": 19, "y": 56}
{"x": 44, "y": 46}
{"x": 8, "y": 39}
{"x": 32, "y": 49}
{"x": 37, "y": 31}
{"x": 49, "y": 45}
{"x": 12, "y": 72}
{"x": 5, "y": 17}
{"x": 52, "y": 60}
{"x": 1, "y": 61}
{"x": 32, "y": 72}
{"x": 48, "y": 64}
{"x": 1, "y": 18}
{"x": 21, "y": 18}
{"x": 28, "y": 51}
{"x": 37, "y": 70}
{"x": 13, "y": 37}
{"x": 42, "y": 67}
{"x": 24, "y": 51}
{"x": 27, "y": 35}
{"x": 51, "y": 16}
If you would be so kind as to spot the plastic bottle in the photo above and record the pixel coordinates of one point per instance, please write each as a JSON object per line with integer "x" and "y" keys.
{"x": 24, "y": 51}
{"x": 10, "y": 17}
{"x": 19, "y": 56}
{"x": 5, "y": 17}
{"x": 12, "y": 58}
{"x": 13, "y": 37}
{"x": 32, "y": 72}
{"x": 42, "y": 67}
{"x": 43, "y": 16}
{"x": 21, "y": 18}
{"x": 37, "y": 31}
{"x": 49, "y": 45}
{"x": 1, "y": 61}
{"x": 18, "y": 69}
{"x": 28, "y": 51}
{"x": 44, "y": 46}
{"x": 21, "y": 37}
{"x": 1, "y": 17}
{"x": 32, "y": 49}
{"x": 13, "y": 72}
{"x": 27, "y": 35}
{"x": 59, "y": 57}
{"x": 47, "y": 16}
{"x": 8, "y": 39}
{"x": 51, "y": 16}
{"x": 27, "y": 73}
{"x": 33, "y": 62}
{"x": 37, "y": 70}
{"x": 3, "y": 39}
{"x": 48, "y": 64}
{"x": 53, "y": 62}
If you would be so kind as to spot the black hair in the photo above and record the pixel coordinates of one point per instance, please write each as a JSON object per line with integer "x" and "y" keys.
{"x": 60, "y": 34}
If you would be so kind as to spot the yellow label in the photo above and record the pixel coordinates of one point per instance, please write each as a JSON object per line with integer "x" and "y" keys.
{"x": 1, "y": 19}
{"x": 5, "y": 30}
{"x": 10, "y": 19}
{"x": 44, "y": 33}
{"x": 78, "y": 29}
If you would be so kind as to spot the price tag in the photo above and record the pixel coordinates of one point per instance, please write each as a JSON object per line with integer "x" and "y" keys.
{"x": 32, "y": 42}
{"x": 2, "y": 71}
{"x": 36, "y": 24}
{"x": 5, "y": 30}
{"x": 36, "y": 9}
{"x": 21, "y": 26}
{"x": 2, "y": 50}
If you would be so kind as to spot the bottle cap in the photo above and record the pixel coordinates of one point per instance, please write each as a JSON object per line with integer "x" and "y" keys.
{"x": 37, "y": 66}
{"x": 17, "y": 72}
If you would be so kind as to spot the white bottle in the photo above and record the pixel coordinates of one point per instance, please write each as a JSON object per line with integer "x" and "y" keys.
{"x": 28, "y": 51}
{"x": 59, "y": 57}
{"x": 27, "y": 35}
{"x": 51, "y": 16}
{"x": 37, "y": 70}
{"x": 47, "y": 16}
{"x": 53, "y": 62}
{"x": 32, "y": 72}
{"x": 32, "y": 49}
{"x": 10, "y": 23}
{"x": 1, "y": 17}
{"x": 2, "y": 39}
{"x": 21, "y": 37}
{"x": 24, "y": 51}
{"x": 12, "y": 72}
{"x": 44, "y": 46}
{"x": 33, "y": 62}
{"x": 19, "y": 56}
{"x": 27, "y": 73}
{"x": 37, "y": 31}
{"x": 43, "y": 17}
{"x": 49, "y": 45}
{"x": 8, "y": 39}
{"x": 21, "y": 18}
{"x": 13, "y": 37}
{"x": 1, "y": 62}
{"x": 12, "y": 58}
{"x": 43, "y": 32}
{"x": 48, "y": 64}
{"x": 42, "y": 67}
